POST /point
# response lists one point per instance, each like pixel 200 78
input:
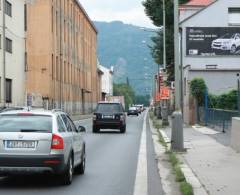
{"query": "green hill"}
pixel 126 48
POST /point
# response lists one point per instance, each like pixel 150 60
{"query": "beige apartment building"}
pixel 61 70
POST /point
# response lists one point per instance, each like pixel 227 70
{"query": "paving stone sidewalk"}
pixel 216 165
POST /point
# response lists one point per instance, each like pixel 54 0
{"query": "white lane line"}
pixel 141 181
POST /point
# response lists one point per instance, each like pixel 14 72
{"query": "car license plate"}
pixel 20 144
pixel 108 117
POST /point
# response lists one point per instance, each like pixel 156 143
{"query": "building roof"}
pixel 198 3
pixel 200 10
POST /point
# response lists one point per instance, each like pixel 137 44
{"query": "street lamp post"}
pixel 164 36
pixel 177 119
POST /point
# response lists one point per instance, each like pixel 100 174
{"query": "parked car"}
pixel 109 115
pixel 133 111
pixel 228 42
pixel 38 141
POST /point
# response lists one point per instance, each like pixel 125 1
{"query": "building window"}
pixel 26 65
pixel 8 8
pixel 9 45
pixel 234 15
pixel 25 17
pixel 8 90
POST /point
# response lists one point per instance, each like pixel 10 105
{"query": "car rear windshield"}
pixel 109 108
pixel 25 123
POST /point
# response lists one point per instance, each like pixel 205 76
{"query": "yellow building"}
pixel 61 56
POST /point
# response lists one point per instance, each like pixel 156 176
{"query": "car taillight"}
pixel 57 142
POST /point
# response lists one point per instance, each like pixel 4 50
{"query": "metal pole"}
pixel 164 36
pixel 4 54
pixel 176 56
pixel 206 107
pixel 177 143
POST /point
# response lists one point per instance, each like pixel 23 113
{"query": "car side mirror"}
pixel 81 129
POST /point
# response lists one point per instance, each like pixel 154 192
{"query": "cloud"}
pixel 128 11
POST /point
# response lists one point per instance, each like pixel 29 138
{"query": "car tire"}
pixel 123 129
pixel 80 169
pixel 67 176
pixel 233 49
pixel 95 130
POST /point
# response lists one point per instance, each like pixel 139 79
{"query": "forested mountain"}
pixel 126 48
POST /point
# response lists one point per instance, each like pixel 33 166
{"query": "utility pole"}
pixel 164 36
pixel 177 120
pixel 4 54
pixel 176 56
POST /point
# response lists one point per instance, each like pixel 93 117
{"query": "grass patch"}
pixel 185 187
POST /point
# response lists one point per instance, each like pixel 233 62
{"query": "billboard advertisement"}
pixel 212 41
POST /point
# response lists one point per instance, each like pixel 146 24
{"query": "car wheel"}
pixel 233 49
pixel 95 130
pixel 67 176
pixel 80 169
pixel 123 129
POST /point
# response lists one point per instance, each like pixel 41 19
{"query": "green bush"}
pixel 227 101
pixel 198 89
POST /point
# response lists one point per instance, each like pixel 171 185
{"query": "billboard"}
pixel 212 41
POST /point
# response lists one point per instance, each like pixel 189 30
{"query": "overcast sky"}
pixel 128 11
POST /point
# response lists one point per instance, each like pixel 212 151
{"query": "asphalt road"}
pixel 111 167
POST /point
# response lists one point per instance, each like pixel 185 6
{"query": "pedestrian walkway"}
pixel 215 165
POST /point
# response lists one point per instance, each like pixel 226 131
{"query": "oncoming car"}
pixel 41 141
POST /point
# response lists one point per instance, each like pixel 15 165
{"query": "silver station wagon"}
pixel 33 141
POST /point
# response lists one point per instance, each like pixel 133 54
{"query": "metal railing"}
pixel 217 118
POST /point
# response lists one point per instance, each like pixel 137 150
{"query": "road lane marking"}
pixel 141 181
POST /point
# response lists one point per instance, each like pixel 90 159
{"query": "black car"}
pixel 109 116
pixel 133 111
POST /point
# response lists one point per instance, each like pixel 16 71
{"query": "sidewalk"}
pixel 78 117
pixel 216 166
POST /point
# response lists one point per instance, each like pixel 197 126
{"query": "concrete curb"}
pixel 191 178
pixel 163 171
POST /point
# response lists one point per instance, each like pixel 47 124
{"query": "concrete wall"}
pixel 15 61
pixel 235 134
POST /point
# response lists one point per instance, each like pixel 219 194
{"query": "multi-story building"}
pixel 12 55
pixel 210 43
pixel 61 56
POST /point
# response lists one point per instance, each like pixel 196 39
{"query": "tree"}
pixel 154 10
pixel 125 90
pixel 198 89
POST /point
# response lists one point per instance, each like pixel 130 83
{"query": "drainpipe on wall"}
pixel 3 87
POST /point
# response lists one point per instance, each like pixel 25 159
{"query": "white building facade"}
pixel 14 52
pixel 210 48
pixel 107 82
